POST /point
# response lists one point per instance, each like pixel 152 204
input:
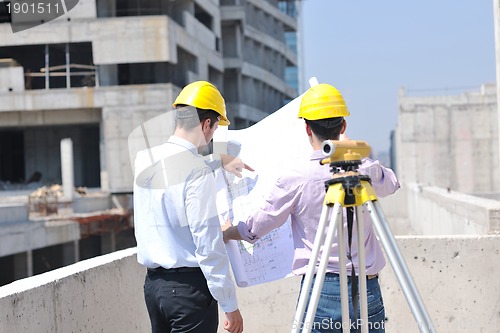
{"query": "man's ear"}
pixel 344 126
pixel 205 125
pixel 308 129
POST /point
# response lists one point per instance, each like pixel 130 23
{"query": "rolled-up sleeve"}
pixel 383 180
pixel 273 213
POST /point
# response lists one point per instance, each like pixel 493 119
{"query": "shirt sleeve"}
pixel 206 231
pixel 213 162
pixel 274 212
pixel 383 180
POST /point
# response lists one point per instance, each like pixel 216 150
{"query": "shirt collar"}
pixel 317 155
pixel 183 143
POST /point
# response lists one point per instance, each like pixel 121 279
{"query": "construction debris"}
pixel 45 200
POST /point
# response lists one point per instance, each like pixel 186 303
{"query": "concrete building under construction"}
pixel 96 73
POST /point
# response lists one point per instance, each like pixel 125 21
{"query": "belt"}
pixel 162 270
pixel 369 277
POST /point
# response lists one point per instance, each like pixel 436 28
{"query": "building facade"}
pixel 103 68
pixel 98 72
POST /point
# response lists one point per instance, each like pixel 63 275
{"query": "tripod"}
pixel 351 189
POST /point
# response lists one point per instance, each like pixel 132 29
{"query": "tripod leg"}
pixel 363 300
pixel 400 269
pixel 335 224
pixel 344 292
pixel 311 267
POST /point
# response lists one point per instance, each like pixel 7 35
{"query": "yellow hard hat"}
pixel 322 101
pixel 203 95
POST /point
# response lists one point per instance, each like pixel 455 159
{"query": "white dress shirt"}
pixel 175 216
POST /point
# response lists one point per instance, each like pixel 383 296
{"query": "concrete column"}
pixel 238 41
pixel 68 253
pixel 21 265
pixel 68 181
pixel 29 263
pixel 108 75
pixel 113 241
pixel 76 246
pixel 103 154
pixel 108 242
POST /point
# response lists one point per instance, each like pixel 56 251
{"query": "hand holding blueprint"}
pixel 270 146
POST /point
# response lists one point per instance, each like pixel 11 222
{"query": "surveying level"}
pixel 337 151
pixel 348 188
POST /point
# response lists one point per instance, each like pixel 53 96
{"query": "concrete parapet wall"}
pixel 436 211
pixel 26 236
pixel 269 307
pixel 11 79
pixel 83 98
pixel 455 277
pixel 395 209
pixel 88 204
pixel 103 294
pixel 13 212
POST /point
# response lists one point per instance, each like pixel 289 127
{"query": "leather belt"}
pixel 369 277
pixel 162 270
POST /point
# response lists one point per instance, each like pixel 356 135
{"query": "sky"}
pixel 368 50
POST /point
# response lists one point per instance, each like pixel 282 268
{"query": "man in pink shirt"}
pixel 299 193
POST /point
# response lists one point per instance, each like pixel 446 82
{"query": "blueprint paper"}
pixel 272 145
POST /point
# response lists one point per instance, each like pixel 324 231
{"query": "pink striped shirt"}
pixel 299 194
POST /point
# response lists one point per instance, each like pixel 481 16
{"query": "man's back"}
pixel 161 223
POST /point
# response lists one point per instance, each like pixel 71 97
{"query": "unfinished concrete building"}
pixel 447 150
pixel 95 74
pixel 450 141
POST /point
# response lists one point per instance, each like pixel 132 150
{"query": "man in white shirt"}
pixel 177 229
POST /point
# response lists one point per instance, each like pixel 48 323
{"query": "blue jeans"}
pixel 329 313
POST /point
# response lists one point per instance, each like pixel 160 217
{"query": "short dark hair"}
pixel 208 114
pixel 188 119
pixel 326 129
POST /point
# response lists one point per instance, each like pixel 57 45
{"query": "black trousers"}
pixel 180 301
